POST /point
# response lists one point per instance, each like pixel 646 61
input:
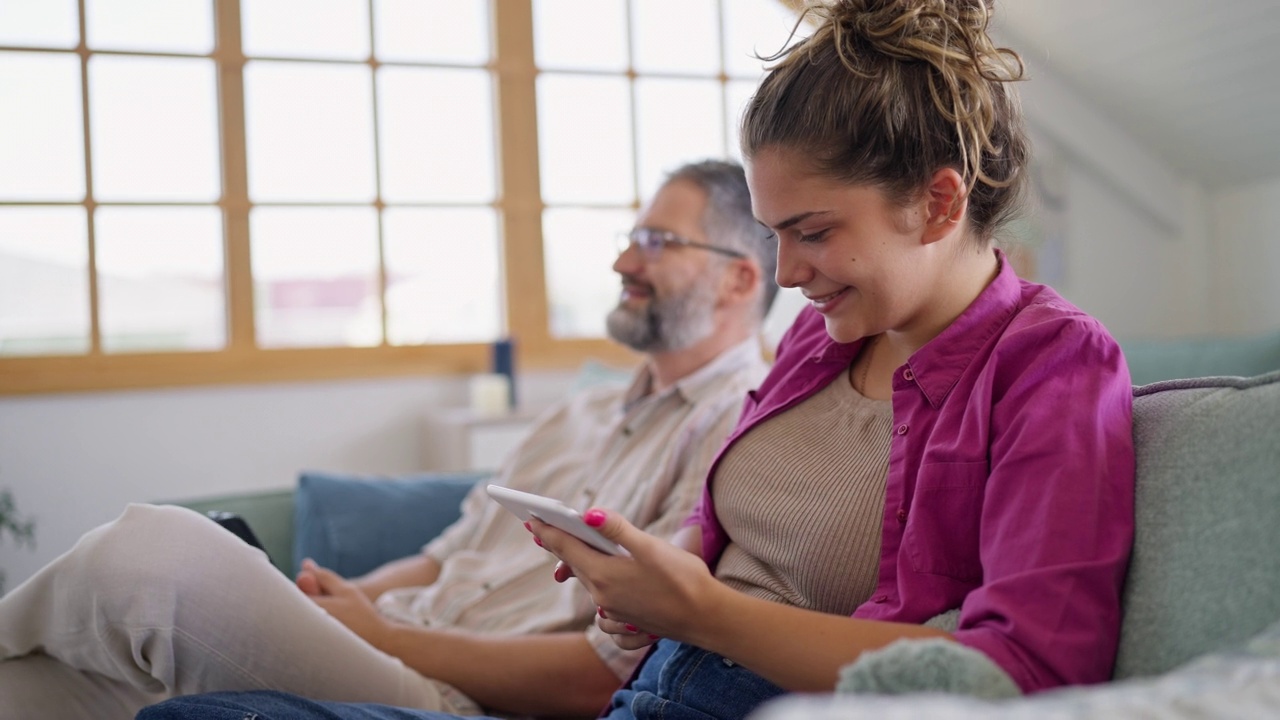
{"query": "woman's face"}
pixel 857 256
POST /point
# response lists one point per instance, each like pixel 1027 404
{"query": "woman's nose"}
pixel 792 270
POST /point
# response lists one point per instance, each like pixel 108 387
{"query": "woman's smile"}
pixel 826 304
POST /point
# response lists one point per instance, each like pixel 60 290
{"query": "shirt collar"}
pixel 938 365
pixel 703 382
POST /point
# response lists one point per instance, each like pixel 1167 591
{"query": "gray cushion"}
pixel 1205 573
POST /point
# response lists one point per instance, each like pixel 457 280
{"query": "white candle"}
pixel 490 394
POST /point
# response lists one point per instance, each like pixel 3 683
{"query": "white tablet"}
pixel 554 513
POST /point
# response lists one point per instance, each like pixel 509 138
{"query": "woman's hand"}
pixel 660 590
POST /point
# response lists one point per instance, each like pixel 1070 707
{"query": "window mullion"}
pixel 520 196
pixel 229 57
pixel 95 325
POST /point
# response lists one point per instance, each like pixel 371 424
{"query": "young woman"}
pixel 941 449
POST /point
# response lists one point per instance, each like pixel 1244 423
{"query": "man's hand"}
pixel 344 601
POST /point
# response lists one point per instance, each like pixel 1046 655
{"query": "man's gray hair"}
pixel 728 220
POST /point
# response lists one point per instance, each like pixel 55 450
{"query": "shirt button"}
pixel 908 375
pixel 902 515
pixel 902 429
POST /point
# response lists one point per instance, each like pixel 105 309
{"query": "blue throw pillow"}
pixel 353 524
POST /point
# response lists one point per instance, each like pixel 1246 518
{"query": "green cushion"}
pixel 1205 573
pixel 269 514
pixel 1155 360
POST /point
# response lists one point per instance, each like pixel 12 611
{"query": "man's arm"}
pixel 413 571
pixel 542 674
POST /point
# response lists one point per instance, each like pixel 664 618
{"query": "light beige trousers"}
pixel 164 602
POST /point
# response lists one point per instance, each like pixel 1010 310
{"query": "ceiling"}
pixel 1197 82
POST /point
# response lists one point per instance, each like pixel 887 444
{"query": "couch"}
pixel 1202 597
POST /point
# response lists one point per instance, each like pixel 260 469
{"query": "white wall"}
pixel 1137 233
pixel 1246 234
pixel 74 461
pixel 1140 276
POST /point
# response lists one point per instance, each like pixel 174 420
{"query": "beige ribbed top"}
pixel 802 499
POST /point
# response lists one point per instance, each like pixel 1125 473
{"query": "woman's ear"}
pixel 946 202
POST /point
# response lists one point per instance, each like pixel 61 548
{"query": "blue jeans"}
pixel 676 682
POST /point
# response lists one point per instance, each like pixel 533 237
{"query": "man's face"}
pixel 668 301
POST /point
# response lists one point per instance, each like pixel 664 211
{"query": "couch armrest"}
pixel 270 514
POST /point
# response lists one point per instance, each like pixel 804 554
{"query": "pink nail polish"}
pixel 654 637
pixel 528 527
pixel 600 612
pixel 537 540
pixel 632 628
pixel 594 518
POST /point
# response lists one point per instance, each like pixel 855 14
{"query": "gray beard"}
pixel 666 324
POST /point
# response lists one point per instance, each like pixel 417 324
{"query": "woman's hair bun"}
pixel 940 32
pixel 888 91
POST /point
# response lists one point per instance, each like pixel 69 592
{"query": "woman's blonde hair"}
pixel 887 92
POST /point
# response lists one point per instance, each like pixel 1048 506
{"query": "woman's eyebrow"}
pixel 799 217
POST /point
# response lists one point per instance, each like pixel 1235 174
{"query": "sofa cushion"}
pixel 1155 360
pixel 1205 573
pixel 352 524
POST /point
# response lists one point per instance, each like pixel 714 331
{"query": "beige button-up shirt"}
pixel 639 453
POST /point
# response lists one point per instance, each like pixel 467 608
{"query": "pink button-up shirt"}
pixel 1010 485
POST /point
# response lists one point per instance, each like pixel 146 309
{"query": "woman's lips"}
pixel 827 303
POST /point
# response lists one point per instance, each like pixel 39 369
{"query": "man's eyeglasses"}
pixel 652 242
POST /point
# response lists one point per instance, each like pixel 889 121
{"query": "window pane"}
pixel 560 43
pixel 443 275
pixel 154 125
pixel 328 29
pixel 315 273
pixel 677 121
pixel 737 94
pixel 436 135
pixel 184 26
pixel 680 36
pixel 41 127
pixel 39 23
pixel 310 132
pixel 450 32
pixel 160 279
pixel 584 139
pixel 755 27
pixel 44 281
pixel 579 250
